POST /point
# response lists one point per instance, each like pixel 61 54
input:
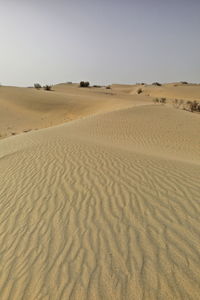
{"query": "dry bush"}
pixel 84 84
pixel 37 86
pixel 193 106
pixel 47 87
pixel 163 100
pixel 156 84
pixel 139 91
pixel 160 101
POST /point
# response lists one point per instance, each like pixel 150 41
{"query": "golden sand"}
pixel 102 207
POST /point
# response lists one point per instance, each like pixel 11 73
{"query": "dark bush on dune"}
pixel 108 87
pixel 193 106
pixel 184 82
pixel 161 100
pixel 156 84
pixel 139 91
pixel 47 87
pixel 37 86
pixel 84 84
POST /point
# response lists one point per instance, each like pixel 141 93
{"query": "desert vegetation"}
pixel 160 100
pixel 156 84
pixel 84 84
pixel 192 106
pixel 37 86
pixel 139 91
pixel 47 87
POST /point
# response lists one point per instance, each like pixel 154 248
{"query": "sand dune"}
pixel 172 91
pixel 25 109
pixel 106 207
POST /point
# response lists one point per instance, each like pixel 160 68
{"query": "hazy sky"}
pixel 103 41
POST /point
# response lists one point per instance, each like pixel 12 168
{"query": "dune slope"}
pixel 106 207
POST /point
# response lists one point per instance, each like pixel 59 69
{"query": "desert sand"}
pixel 105 206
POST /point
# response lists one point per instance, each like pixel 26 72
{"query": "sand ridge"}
pixel 106 207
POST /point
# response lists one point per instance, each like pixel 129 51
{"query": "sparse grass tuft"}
pixel 160 100
pixel 47 87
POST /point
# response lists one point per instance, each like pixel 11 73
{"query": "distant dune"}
pixel 106 206
pixel 25 109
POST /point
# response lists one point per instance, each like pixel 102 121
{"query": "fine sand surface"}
pixel 104 207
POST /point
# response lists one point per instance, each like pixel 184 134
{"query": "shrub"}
pixel 193 106
pixel 184 82
pixel 163 100
pixel 37 86
pixel 157 84
pixel 139 91
pixel 47 87
pixel 97 86
pixel 108 87
pixel 84 84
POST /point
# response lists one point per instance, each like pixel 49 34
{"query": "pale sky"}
pixel 103 41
